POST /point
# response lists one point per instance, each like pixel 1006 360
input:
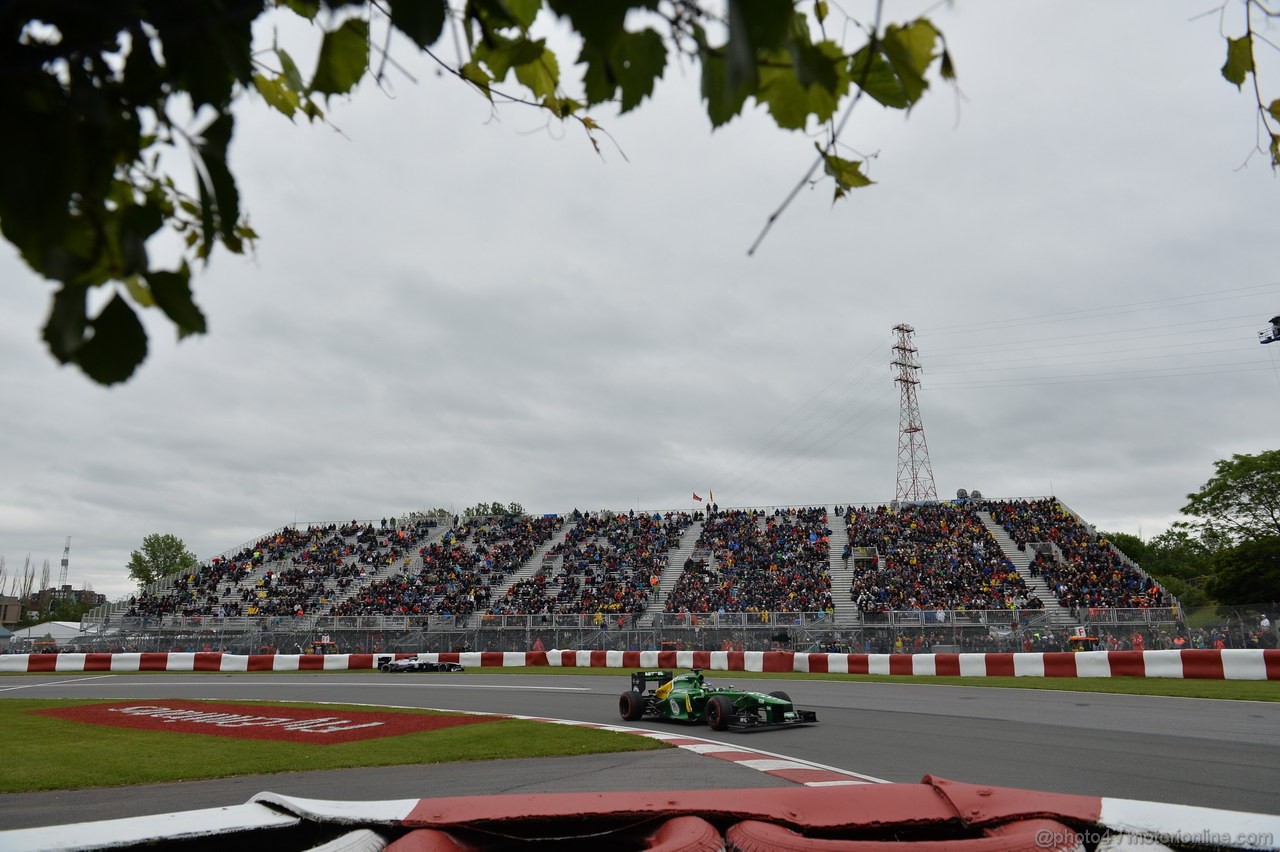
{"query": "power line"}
pixel 1110 310
pixel 1099 377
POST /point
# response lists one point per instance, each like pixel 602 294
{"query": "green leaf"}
pixel 523 12
pixel 541 76
pixel 789 102
pixel 172 292
pixel 723 102
pixel 821 64
pixel 820 10
pixel 68 319
pixel 421 20
pixel 872 73
pixel 219 199
pixel 493 15
pixel 474 73
pixel 948 69
pixel 565 107
pixel 1274 110
pixel 131 246
pixel 290 70
pixel 118 344
pixel 755 26
pixel 344 58
pixel 306 8
pixel 638 62
pixel 910 51
pixel 501 54
pixel 207 60
pixel 143 77
pixel 1239 62
pixel 598 81
pixel 277 94
pixel 846 173
pixel 599 22
pixel 138 290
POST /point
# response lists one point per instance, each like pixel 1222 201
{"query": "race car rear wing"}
pixel 640 680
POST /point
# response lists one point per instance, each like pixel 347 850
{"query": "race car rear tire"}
pixel 719 709
pixel 631 706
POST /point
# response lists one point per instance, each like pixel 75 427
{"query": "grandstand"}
pixel 968 574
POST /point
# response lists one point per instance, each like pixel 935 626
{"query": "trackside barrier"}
pixel 1225 664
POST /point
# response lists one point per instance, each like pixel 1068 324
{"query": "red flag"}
pixel 696 497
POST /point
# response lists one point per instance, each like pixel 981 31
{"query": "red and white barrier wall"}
pixel 1228 664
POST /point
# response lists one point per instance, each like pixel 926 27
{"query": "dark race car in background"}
pixel 690 697
pixel 417 664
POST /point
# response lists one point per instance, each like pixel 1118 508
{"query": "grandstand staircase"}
pixel 671 574
pixel 841 575
pixel 1059 616
pixel 531 567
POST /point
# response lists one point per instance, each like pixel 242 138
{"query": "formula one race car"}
pixel 417 664
pixel 691 698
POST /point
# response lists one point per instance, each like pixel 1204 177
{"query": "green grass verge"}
pixel 47 753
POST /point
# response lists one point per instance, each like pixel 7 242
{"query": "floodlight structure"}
pixel 915 475
pixel 1271 334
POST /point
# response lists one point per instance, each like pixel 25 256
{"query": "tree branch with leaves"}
pixel 160 556
pixel 98 96
pixel 100 92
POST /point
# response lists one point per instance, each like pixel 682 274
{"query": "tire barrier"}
pixel 1211 664
pixel 931 815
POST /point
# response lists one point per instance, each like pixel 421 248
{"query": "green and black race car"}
pixel 691 698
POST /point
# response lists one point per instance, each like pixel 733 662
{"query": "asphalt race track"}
pixel 1222 754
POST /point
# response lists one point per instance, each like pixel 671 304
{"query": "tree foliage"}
pixel 1242 499
pixel 1236 543
pixel 1241 69
pixel 492 510
pixel 104 91
pixel 160 556
pixel 1179 558
pixel 1248 572
pixel 98 96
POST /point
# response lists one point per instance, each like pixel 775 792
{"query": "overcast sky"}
pixel 450 305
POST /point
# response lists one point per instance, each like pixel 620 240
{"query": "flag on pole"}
pixel 711 496
pixel 696 497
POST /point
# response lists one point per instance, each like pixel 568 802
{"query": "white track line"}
pixel 54 682
pixel 165 683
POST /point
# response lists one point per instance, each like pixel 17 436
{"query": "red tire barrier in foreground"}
pixel 1228 664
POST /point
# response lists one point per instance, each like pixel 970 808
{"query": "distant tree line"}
pixel 1229 552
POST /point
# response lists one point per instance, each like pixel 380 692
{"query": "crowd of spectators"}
pixel 1086 571
pixel 935 556
pixel 458 572
pixel 209 589
pixel 607 564
pixel 290 572
pixel 757 562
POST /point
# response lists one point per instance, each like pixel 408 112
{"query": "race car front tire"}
pixel 782 695
pixel 719 709
pixel 631 706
